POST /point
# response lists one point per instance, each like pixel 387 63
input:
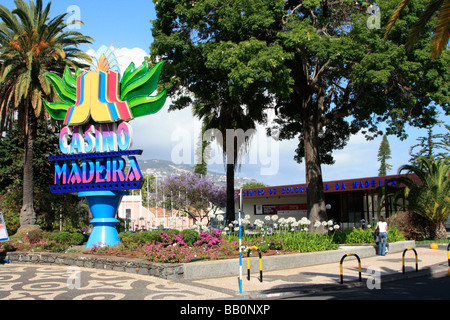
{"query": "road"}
pixel 422 288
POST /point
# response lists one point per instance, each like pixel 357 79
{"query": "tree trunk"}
pixel 314 182
pixel 230 213
pixel 438 231
pixel 27 214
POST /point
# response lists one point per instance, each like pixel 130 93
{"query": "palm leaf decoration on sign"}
pixel 136 86
pixel 66 90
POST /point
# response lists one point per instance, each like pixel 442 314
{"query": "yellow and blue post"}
pixel 240 242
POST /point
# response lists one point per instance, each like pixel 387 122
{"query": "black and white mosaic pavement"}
pixel 43 282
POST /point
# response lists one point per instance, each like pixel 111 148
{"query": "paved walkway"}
pixel 327 276
pixel 44 282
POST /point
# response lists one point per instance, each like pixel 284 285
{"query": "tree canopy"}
pixel 193 194
pixel 321 68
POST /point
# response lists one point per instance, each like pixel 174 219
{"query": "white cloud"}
pixel 161 133
pixel 125 56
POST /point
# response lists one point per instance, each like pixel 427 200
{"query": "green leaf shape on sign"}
pixel 131 73
pixel 142 106
pixel 71 80
pixel 142 82
pixel 57 110
pixel 65 93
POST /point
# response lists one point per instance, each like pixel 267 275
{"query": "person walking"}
pixel 382 230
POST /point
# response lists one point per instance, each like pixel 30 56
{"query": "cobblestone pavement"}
pixel 38 282
pixel 53 282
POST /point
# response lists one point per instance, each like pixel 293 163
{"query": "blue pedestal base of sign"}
pixel 103 205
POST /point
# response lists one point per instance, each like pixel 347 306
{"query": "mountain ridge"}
pixel 166 168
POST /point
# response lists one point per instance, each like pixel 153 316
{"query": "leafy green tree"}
pixel 31 45
pixel 439 8
pixel 219 62
pixel 324 71
pixel 427 192
pixel 427 145
pixel 384 153
pixel 347 79
pixel 444 145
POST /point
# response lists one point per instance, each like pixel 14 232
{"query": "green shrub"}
pixel 363 236
pixel 7 246
pixel 394 235
pixel 147 236
pixel 190 236
pixel 65 238
pixel 306 242
pixel 33 236
pixel 134 240
pixel 49 245
pixel 354 236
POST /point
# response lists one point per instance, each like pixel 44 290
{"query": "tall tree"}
pixel 32 44
pixel 202 154
pixel 193 194
pixel 444 146
pixel 218 62
pixel 347 78
pixel 317 63
pixel 384 153
pixel 48 206
pixel 432 147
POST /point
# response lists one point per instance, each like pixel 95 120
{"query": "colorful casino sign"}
pixel 97 159
pixel 95 108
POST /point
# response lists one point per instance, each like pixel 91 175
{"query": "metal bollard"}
pixel 448 254
pixel 403 259
pixel 260 263
pixel 359 266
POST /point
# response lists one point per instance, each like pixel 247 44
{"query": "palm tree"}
pixel 31 45
pixel 221 117
pixel 442 28
pixel 428 192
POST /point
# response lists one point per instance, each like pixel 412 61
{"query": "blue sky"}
pixel 126 25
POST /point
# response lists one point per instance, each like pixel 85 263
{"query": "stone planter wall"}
pixel 199 269
pixel 137 266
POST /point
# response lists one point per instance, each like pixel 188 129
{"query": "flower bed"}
pixel 272 236
pixel 172 246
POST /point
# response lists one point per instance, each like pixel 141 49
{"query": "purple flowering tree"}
pixel 193 194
